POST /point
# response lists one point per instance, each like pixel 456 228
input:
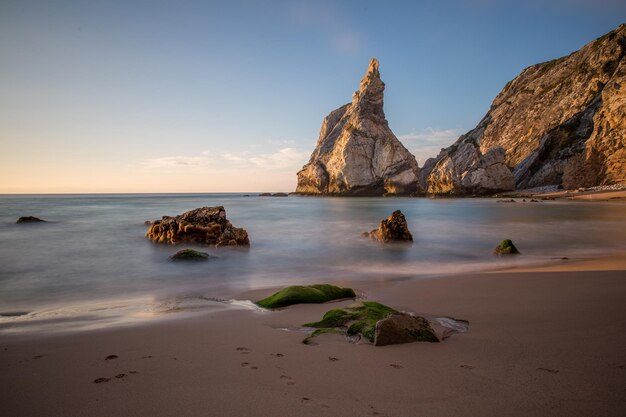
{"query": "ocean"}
pixel 90 266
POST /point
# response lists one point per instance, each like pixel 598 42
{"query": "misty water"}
pixel 91 265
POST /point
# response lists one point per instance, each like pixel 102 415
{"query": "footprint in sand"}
pixel 37 356
pixel 244 364
pixel 243 350
pixel 552 371
pixel 120 376
pixel 254 367
pixel 146 357
pixel 101 380
pixel 278 355
pixel 305 400
pixel 467 366
pixel 288 379
pixel 110 357
pixel 332 359
pixel 133 372
pixel 396 366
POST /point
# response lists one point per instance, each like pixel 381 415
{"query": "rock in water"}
pixel 506 247
pixel 393 229
pixel 298 294
pixel 29 219
pixel 357 153
pixel 189 255
pixel 206 225
pixel 561 122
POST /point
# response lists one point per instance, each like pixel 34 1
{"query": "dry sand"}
pixel 541 343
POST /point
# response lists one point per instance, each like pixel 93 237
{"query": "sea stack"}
pixel 561 122
pixel 357 153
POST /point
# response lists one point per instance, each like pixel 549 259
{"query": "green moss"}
pixel 506 247
pixel 189 255
pixel 309 340
pixel 359 319
pixel 297 294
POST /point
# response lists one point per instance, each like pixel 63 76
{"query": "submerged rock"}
pixel 506 247
pixel 189 255
pixel 393 229
pixel 357 153
pixel 205 225
pixel 297 294
pixel 280 195
pixel 30 219
pixel 374 322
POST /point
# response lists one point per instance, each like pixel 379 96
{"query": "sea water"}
pixel 90 265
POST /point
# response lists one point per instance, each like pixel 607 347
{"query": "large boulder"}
pixel 403 328
pixel 357 153
pixel 205 225
pixel 392 229
pixel 375 323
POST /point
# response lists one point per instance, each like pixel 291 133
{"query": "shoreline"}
pixel 149 310
pixel 110 314
pixel 543 342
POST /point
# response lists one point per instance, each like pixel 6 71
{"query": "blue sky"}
pixel 153 96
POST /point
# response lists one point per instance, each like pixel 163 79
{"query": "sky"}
pixel 229 96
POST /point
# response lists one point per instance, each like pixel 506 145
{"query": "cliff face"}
pixel 357 153
pixel 562 122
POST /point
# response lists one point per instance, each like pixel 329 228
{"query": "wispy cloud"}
pixel 281 159
pixel 288 159
pixel 169 162
pixel 428 142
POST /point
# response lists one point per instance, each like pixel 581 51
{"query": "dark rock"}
pixel 506 247
pixel 403 328
pixel 280 195
pixel 30 219
pixel 297 294
pixel 206 225
pixel 374 322
pixel 265 195
pixel 147 223
pixel 393 229
pixel 189 255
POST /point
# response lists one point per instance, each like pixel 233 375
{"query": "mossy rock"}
pixel 358 319
pixel 189 255
pixel 300 294
pixel 506 247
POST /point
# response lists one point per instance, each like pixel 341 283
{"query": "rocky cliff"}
pixel 357 153
pixel 561 122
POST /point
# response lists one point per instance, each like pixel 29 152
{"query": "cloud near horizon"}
pixel 281 160
pixel 428 142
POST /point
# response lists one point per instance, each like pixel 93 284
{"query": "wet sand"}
pixel 547 342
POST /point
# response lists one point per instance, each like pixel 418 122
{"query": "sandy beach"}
pixel 546 342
